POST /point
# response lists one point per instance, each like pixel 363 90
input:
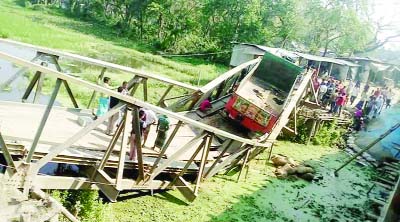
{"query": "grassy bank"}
pixel 50 28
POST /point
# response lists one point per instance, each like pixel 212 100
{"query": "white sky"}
pixel 388 11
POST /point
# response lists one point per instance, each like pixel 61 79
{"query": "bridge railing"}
pixel 147 174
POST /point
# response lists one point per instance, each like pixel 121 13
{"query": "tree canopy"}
pixel 180 26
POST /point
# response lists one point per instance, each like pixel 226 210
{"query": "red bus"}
pixel 259 98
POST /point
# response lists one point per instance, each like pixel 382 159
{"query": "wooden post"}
pixel 145 97
pixel 101 76
pixel 295 120
pixel 270 152
pixel 208 147
pixel 314 122
pixel 164 95
pixel 135 85
pixel 110 147
pixel 225 162
pixel 138 141
pixel 225 147
pixel 44 120
pixel 176 155
pixel 189 161
pixel 203 162
pixel 244 164
pixel 127 119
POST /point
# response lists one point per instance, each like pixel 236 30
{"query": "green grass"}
pixel 263 197
pixel 50 28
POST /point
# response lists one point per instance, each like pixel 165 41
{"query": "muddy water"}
pixel 378 126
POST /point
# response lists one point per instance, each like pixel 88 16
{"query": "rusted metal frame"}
pixel 208 147
pixel 6 153
pixel 57 149
pixel 99 79
pixel 17 74
pixel 203 162
pixel 246 157
pixel 165 147
pixel 44 120
pixel 234 163
pixel 164 95
pixel 125 137
pixel 226 162
pixel 189 162
pixel 69 91
pixel 138 141
pixel 127 99
pixel 176 155
pixel 145 96
pixel 39 87
pixel 225 146
pixel 110 147
pixel 31 86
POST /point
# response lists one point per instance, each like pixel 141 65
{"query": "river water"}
pixel 378 126
pixel 16 89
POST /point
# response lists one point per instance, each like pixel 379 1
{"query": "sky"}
pixel 388 11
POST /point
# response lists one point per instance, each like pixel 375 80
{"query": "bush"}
pixel 84 204
pixel 328 135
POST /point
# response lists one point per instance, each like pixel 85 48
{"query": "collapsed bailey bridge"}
pixel 34 136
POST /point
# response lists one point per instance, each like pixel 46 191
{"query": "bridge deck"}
pixel 19 122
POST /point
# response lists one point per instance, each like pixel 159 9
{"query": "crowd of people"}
pixel 334 95
pixel 147 118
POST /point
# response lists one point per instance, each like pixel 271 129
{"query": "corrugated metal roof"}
pixel 326 59
pixel 284 52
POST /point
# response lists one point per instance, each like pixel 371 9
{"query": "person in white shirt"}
pixel 389 96
pixel 150 119
pixel 322 90
pixel 354 94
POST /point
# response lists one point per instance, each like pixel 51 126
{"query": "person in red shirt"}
pixel 340 101
pixel 377 93
pixel 205 105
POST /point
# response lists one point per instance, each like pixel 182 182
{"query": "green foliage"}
pixel 328 135
pixel 209 26
pixel 83 203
